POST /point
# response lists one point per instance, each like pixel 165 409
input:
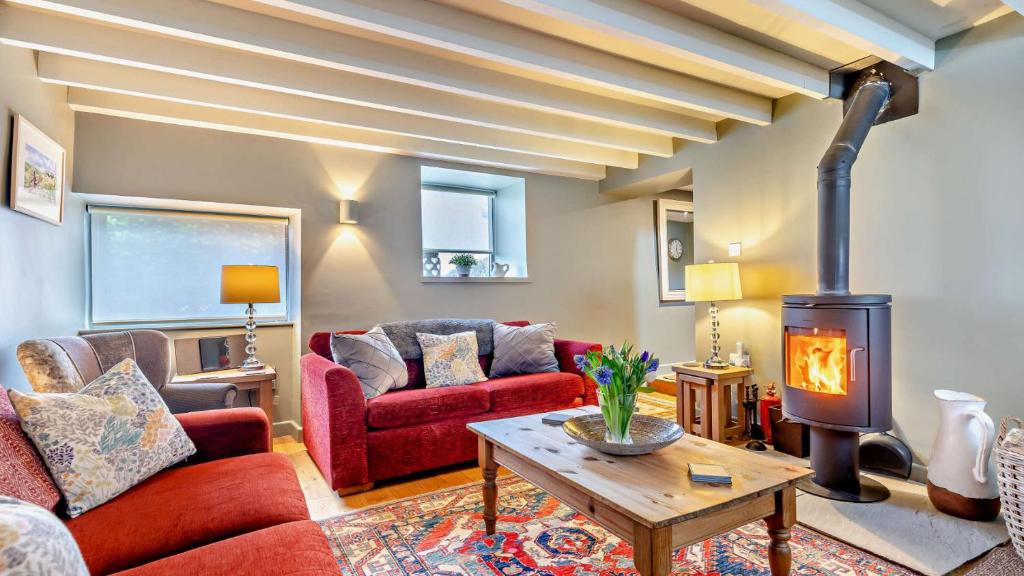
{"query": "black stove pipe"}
pixel 834 184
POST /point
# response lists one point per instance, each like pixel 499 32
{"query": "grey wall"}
pixel 41 265
pixel 937 223
pixel 592 260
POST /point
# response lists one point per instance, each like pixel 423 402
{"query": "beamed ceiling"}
pixel 564 87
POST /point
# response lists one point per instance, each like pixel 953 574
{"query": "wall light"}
pixel 735 248
pixel 348 212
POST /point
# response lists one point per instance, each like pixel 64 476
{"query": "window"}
pixel 458 221
pixel 156 266
pixel 474 213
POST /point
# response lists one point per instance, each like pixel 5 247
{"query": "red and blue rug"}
pixel 441 534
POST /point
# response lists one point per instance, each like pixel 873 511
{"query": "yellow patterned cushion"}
pixel 104 439
pixel 35 542
pixel 450 360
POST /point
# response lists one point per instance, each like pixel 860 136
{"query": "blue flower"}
pixel 603 375
pixel 581 362
pixel 653 366
pixel 645 356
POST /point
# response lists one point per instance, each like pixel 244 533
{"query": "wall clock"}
pixel 675 249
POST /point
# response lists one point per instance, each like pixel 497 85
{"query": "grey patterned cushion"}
pixel 34 542
pixel 373 358
pixel 523 350
pixel 104 439
pixel 403 334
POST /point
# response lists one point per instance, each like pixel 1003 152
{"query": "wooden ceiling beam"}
pixel 861 26
pixel 148 109
pixel 73 37
pixel 68 71
pixel 226 26
pixel 656 29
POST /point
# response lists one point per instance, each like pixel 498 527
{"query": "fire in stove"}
pixel 817 360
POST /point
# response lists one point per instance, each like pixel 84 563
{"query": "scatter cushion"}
pixel 450 360
pixel 524 350
pixel 373 358
pixel 22 473
pixel 104 439
pixel 34 542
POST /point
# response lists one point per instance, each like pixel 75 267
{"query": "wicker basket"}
pixel 1011 483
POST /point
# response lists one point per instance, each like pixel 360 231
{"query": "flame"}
pixel 817 360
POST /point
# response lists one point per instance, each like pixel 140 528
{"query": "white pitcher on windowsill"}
pixel 499 270
pixel 961 478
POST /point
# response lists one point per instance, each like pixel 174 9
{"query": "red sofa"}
pixel 234 508
pixel 355 441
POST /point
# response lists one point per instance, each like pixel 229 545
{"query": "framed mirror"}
pixel 675 247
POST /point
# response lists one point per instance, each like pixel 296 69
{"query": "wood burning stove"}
pixel 836 345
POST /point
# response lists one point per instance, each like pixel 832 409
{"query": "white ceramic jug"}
pixel 499 270
pixel 961 478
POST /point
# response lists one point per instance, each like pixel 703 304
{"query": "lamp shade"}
pixel 249 284
pixel 713 282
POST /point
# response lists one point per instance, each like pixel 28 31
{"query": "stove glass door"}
pixel 816 360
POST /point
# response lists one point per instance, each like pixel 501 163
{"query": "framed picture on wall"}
pixel 37 173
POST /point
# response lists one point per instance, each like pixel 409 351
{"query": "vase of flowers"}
pixel 620 374
pixel 463 264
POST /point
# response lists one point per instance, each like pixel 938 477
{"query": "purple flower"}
pixel 653 366
pixel 581 362
pixel 603 375
pixel 644 357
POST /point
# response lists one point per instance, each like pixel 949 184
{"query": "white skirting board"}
pixel 287 428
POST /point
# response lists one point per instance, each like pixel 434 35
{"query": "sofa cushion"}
pixel 373 358
pixel 408 407
pixel 523 350
pixel 34 541
pixel 450 360
pixel 526 390
pixel 104 439
pixel 190 506
pixel 404 334
pixel 22 472
pixel 292 549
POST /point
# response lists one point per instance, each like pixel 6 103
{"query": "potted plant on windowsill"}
pixel 463 264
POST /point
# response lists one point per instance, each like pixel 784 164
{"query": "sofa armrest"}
pixel 565 352
pixel 182 398
pixel 226 433
pixel 334 421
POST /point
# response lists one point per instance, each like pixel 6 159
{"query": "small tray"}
pixel 649 433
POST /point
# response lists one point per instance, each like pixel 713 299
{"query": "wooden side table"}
pixel 262 381
pixel 717 391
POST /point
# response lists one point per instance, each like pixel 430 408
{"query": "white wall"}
pixel 937 223
pixel 592 259
pixel 41 265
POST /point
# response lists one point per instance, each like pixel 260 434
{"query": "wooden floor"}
pixel 325 503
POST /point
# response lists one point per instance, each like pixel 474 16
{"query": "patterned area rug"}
pixel 441 534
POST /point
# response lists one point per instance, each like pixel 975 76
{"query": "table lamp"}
pixel 249 285
pixel 713 282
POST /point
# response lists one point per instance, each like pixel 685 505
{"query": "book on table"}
pixel 709 473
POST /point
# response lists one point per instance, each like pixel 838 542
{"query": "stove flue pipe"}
pixel 868 99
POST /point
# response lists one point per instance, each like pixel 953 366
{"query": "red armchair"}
pixel 234 508
pixel 355 442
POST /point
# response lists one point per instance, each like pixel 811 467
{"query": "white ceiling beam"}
pixel 679 37
pixel 68 71
pixel 472 35
pixel 202 21
pixel 861 26
pixel 148 109
pixel 69 36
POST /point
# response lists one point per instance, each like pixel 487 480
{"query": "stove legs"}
pixel 835 458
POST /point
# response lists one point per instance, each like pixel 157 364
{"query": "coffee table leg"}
pixel 490 472
pixel 779 554
pixel 652 550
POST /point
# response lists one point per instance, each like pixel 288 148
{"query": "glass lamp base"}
pixel 715 364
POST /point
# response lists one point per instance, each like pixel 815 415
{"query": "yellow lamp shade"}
pixel 249 284
pixel 713 282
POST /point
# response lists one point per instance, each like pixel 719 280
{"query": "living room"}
pixel 557 171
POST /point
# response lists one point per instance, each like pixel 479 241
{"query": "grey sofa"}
pixel 67 364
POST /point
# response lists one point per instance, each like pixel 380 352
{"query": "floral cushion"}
pixel 22 473
pixel 104 439
pixel 34 542
pixel 450 360
pixel 373 358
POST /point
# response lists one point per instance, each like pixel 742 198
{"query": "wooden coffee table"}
pixel 648 501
